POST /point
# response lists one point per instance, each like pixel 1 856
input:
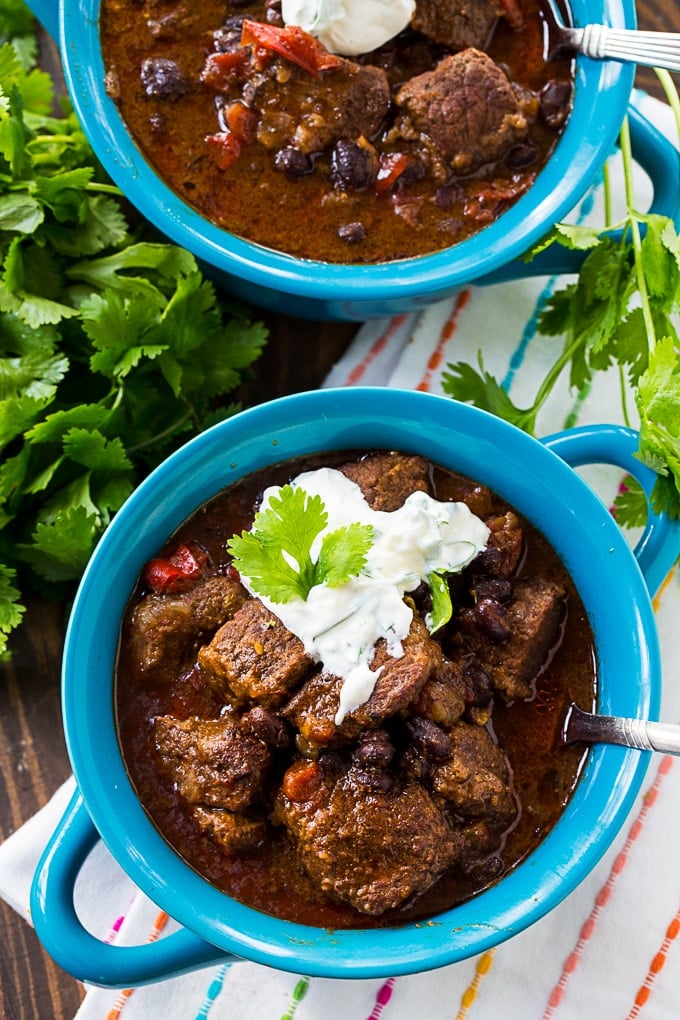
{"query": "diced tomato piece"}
pixel 293 43
pixel 241 121
pixel 392 166
pixel 221 69
pixel 302 780
pixel 175 573
pixel 226 148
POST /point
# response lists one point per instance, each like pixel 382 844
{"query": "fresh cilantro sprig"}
pixel 618 312
pixel 275 555
pixel 113 346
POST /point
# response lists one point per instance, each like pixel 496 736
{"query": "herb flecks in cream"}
pixel 369 558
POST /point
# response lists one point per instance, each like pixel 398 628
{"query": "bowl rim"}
pixel 535 886
pixel 601 95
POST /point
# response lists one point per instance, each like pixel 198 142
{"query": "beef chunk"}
pixel 231 831
pixel 387 479
pixel 212 761
pixel 254 656
pixel 464 113
pixel 504 548
pixel 313 709
pixel 164 627
pixel 442 697
pixel 457 23
pixel 364 845
pixel 475 778
pixel 535 615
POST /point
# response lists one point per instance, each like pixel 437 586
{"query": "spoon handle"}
pixel 609 729
pixel 651 49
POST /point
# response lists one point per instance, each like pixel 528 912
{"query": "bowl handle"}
pixel 74 948
pixel 47 13
pixel 659 546
pixel 661 162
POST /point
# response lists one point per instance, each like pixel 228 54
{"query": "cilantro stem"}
pixel 636 239
pixel 160 436
pixel 671 92
pixel 553 375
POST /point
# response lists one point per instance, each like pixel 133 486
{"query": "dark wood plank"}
pixel 33 759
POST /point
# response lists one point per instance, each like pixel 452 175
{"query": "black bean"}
pixel 521 156
pixel 353 233
pixel 272 12
pixel 227 38
pixel 266 726
pixel 353 166
pixel 478 690
pixel 429 738
pixel 292 162
pixel 163 79
pixel 374 748
pixel 555 100
pixel 492 619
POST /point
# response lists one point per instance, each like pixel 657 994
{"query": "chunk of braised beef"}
pixel 442 697
pixel 164 628
pixel 231 831
pixel 535 616
pixel 213 762
pixel 504 547
pixel 354 165
pixel 475 778
pixel 463 114
pixel 457 23
pixel 163 78
pixel 368 845
pixel 387 479
pixel 253 656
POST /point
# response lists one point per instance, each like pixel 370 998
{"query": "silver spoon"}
pixel 650 49
pixel 592 728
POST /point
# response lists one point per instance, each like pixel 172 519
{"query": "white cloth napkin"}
pixel 612 948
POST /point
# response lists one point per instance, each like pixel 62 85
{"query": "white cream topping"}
pixel 349 27
pixel 339 626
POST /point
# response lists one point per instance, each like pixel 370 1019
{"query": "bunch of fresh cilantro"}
pixel 619 311
pixel 113 347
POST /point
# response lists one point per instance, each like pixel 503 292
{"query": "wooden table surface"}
pixel 33 760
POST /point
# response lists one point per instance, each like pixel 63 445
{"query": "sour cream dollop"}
pixel 349 27
pixel 340 626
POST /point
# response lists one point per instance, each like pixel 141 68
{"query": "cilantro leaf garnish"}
pixel 442 607
pixel 114 348
pixel 275 555
pixel 621 311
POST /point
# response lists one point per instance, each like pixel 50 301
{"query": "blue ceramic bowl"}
pixel 536 477
pixel 322 291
